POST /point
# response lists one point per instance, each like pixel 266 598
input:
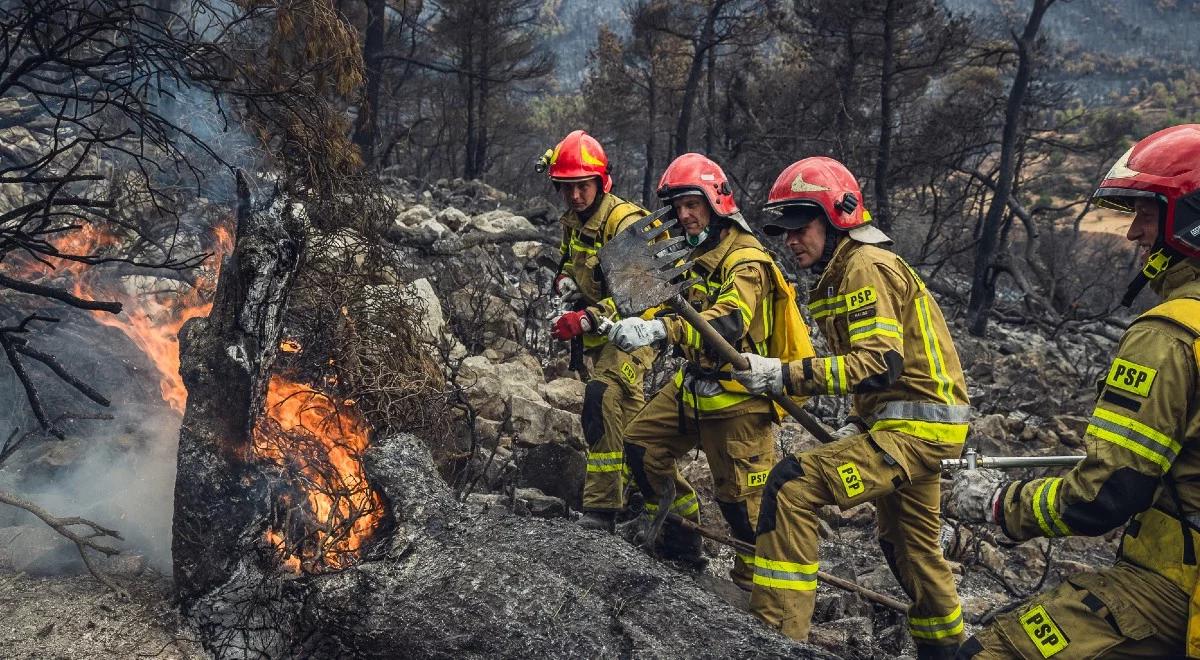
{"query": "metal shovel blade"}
pixel 640 270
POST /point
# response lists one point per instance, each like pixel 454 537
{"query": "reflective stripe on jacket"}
pixel 581 240
pixel 891 347
pixel 734 295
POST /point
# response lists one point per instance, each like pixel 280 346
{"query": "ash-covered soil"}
pixel 74 616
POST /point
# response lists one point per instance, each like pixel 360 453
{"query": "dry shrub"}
pixel 360 328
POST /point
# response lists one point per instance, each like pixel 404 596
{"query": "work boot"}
pixel 601 521
pixel 683 545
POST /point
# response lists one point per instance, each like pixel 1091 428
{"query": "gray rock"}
pixel 414 216
pixel 453 218
pixel 500 222
pixel 433 319
pixel 989 436
pixel 527 252
pixel 539 504
pixel 564 394
pixel 554 469
pixel 535 422
pixel 491 387
pixel 853 636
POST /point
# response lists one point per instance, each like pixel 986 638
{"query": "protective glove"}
pixel 765 375
pixel 566 288
pixel 569 325
pixel 974 495
pixel 633 333
pixel 848 430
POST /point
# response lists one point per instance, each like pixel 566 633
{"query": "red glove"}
pixel 570 325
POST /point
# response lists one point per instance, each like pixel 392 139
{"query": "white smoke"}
pixel 123 478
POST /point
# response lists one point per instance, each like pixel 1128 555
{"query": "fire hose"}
pixel 747 548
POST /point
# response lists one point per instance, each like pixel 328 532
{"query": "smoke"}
pixel 122 478
pixel 120 473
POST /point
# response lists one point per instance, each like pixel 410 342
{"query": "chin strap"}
pixel 1156 264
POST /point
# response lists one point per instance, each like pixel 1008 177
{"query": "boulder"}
pixel 453 218
pixel 414 216
pixel 535 422
pixel 554 469
pixel 432 319
pixel 345 245
pixel 564 394
pixel 524 502
pixel 490 387
pixel 500 222
pixel 1070 429
pixel 852 637
pixel 989 436
pixel 540 505
pixel 527 252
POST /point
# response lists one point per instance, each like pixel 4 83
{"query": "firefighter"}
pixel 738 290
pixel 893 352
pixel 1140 461
pixel 579 170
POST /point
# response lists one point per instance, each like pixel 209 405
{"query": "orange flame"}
pixel 82 241
pixel 153 319
pixel 305 432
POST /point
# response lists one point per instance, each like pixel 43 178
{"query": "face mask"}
pixel 698 238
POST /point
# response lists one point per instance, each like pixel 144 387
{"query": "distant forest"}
pixel 977 128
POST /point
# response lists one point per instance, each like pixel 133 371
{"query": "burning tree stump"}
pixel 224 361
pixel 429 579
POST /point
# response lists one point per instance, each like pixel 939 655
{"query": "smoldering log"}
pixel 437 581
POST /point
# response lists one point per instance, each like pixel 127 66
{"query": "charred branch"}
pixel 59 295
pixel 90 539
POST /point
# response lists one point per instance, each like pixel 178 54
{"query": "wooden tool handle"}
pixel 731 355
pixel 748 549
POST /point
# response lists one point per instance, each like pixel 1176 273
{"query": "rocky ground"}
pixel 482 263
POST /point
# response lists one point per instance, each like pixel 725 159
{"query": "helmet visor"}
pixel 667 193
pixel 793 216
pixel 1119 199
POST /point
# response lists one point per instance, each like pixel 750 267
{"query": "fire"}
pixel 290 346
pixel 78 242
pixel 153 319
pixel 318 445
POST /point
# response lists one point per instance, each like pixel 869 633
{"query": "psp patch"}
pixel 1131 377
pixel 757 478
pixel 861 298
pixel 1043 632
pixel 851 480
pixel 629 373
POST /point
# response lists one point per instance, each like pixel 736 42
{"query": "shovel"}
pixel 642 272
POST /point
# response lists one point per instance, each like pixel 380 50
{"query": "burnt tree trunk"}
pixel 366 128
pixel 224 361
pixel 883 161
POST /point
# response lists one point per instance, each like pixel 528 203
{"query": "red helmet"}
pixel 695 174
pixel 579 156
pixel 1164 166
pixel 824 184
